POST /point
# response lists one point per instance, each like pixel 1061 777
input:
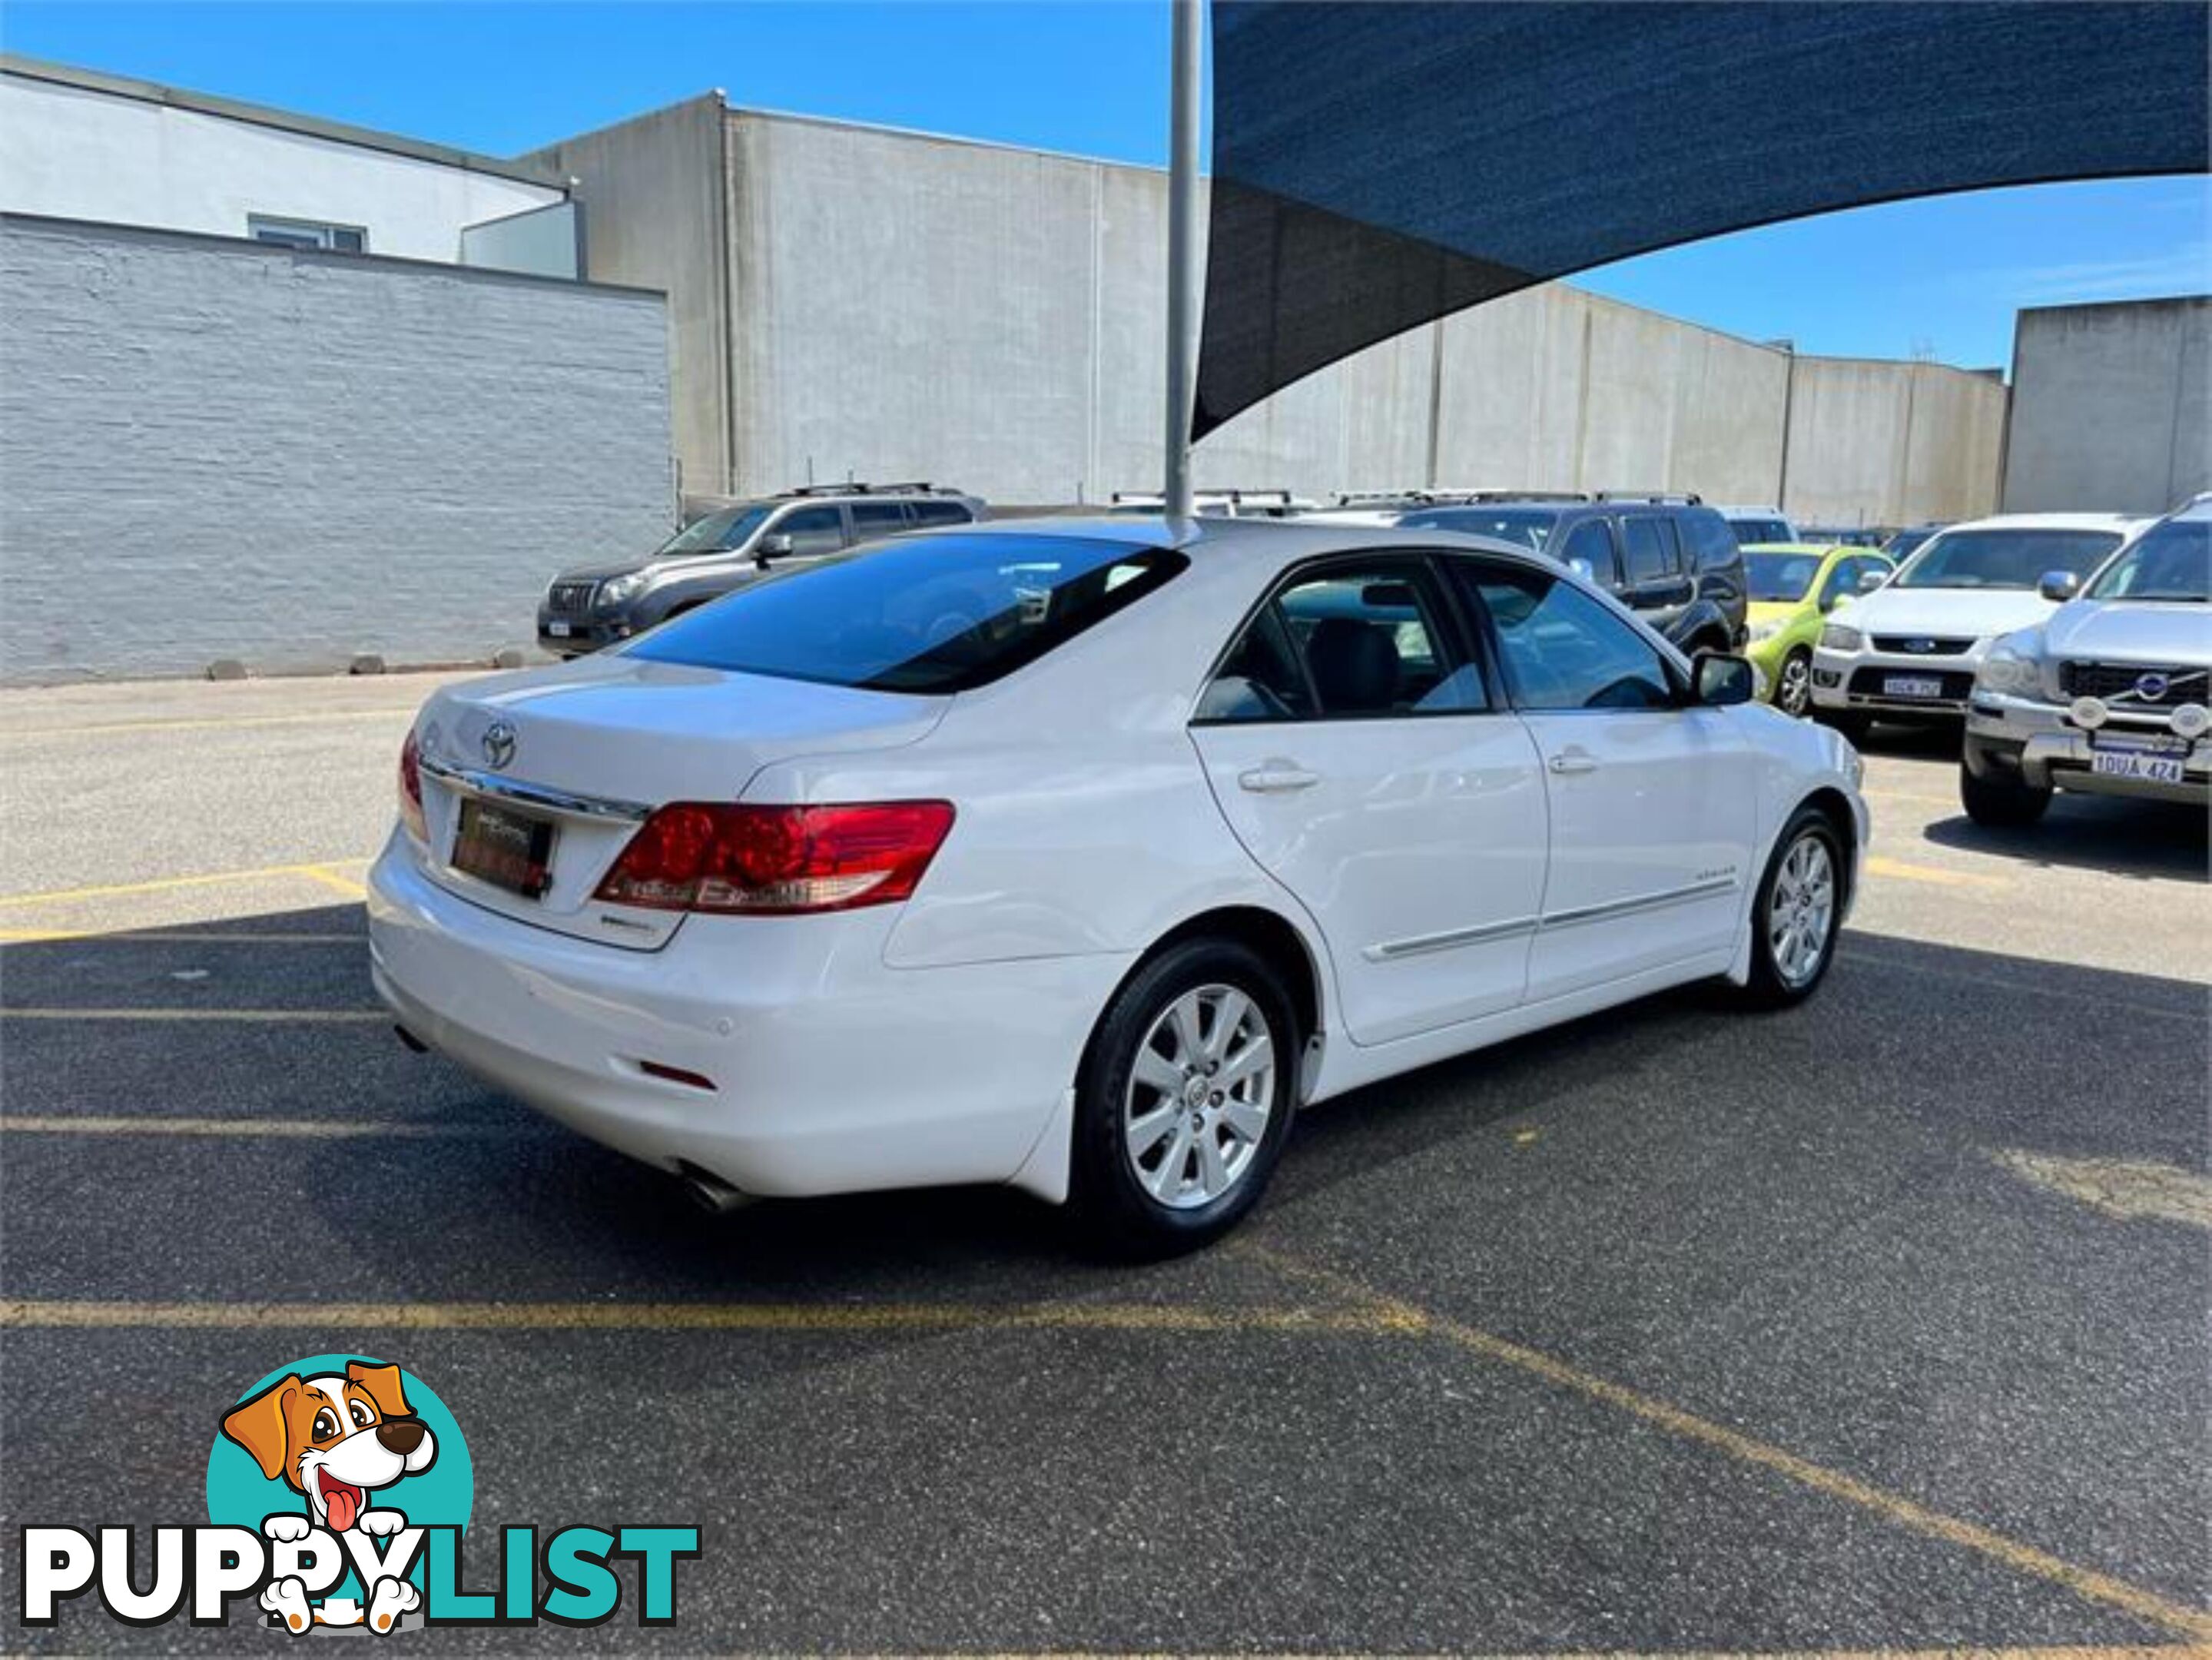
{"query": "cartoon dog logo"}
pixel 336 1438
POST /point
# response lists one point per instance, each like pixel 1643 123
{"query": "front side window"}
pixel 936 616
pixel 1591 542
pixel 1650 542
pixel 1711 542
pixel 2004 557
pixel 1563 650
pixel 812 530
pixel 2172 562
pixel 715 533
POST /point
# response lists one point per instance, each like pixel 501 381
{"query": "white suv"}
pixel 1908 650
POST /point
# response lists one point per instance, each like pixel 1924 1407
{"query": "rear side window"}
pixel 940 513
pixel 1711 542
pixel 935 615
pixel 871 519
pixel 1652 552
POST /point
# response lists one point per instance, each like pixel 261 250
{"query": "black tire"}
pixel 1774 985
pixel 1999 802
pixel 1793 683
pixel 1115 1211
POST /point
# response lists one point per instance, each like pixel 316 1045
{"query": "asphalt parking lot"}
pixel 1878 1324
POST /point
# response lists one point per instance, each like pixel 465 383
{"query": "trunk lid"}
pixel 579 754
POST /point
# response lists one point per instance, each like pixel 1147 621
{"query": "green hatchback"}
pixel 1793 588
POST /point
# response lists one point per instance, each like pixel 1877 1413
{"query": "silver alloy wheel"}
pixel 1199 1097
pixel 1793 692
pixel 1800 915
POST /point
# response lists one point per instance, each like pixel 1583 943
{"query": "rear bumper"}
pixel 831 1072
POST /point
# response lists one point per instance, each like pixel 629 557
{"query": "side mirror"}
pixel 1871 580
pixel 1583 569
pixel 2058 585
pixel 1723 680
pixel 772 547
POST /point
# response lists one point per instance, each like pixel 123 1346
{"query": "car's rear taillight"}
pixel 760 860
pixel 411 789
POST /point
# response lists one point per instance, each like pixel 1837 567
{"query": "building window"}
pixel 306 234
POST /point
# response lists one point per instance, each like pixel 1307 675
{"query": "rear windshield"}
pixel 929 614
pixel 2003 558
pixel 1526 528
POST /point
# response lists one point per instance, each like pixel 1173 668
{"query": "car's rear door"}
pixel 1651 799
pixel 1364 756
pixel 1657 584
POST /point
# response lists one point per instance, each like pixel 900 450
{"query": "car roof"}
pixel 1272 542
pixel 2112 521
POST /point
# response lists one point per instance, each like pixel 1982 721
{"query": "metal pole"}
pixel 1182 251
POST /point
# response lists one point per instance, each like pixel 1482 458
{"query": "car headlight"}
pixel 1762 631
pixel 2013 664
pixel 1836 638
pixel 616 589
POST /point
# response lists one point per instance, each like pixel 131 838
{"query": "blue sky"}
pixel 1942 276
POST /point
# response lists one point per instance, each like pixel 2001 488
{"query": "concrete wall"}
pixel 901 306
pixel 70 152
pixel 215 448
pixel 1887 443
pixel 652 190
pixel 2111 406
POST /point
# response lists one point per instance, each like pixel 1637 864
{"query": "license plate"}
pixel 509 850
pixel 558 631
pixel 2135 763
pixel 1912 685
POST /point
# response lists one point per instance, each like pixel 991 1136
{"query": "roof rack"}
pixel 1663 498
pixel 918 487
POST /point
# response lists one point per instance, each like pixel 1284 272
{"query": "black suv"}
pixel 596 605
pixel 1670 558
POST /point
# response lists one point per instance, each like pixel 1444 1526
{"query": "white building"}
pixel 76 144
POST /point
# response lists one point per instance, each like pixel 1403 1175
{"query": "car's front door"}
pixel 1651 802
pixel 1365 757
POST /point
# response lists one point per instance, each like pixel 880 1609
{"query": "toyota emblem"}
pixel 498 743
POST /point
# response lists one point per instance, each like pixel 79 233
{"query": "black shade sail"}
pixel 1377 166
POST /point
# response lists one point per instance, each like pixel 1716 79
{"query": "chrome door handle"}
pixel 1569 761
pixel 1277 778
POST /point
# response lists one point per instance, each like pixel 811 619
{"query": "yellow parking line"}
pixel 686 1316
pixel 1877 866
pixel 163 884
pixel 180 937
pixel 336 1129
pixel 2086 1583
pixel 221 725
pixel 266 1016
pixel 331 879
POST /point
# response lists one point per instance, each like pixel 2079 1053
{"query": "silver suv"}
pixel 2112 694
pixel 595 605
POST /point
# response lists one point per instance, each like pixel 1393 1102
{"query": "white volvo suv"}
pixel 1080 855
pixel 1908 650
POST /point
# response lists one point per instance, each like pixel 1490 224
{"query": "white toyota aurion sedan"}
pixel 1080 854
